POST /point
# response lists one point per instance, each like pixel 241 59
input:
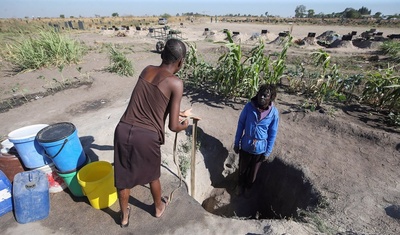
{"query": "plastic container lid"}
pixel 55 132
pixel 25 132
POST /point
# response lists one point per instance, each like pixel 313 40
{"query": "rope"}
pixel 176 164
pixel 177 167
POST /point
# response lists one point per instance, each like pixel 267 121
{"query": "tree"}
pixel 115 14
pixel 62 16
pixel 364 11
pixel 378 15
pixel 351 13
pixel 300 11
pixel 165 15
pixel 311 13
pixel 321 15
pixel 266 14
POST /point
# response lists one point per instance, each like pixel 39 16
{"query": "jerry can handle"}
pixel 30 184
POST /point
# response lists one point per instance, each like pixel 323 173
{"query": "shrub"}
pixel 48 48
pixel 382 90
pixel 391 48
pixel 119 63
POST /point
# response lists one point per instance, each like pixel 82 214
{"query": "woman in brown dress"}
pixel 140 132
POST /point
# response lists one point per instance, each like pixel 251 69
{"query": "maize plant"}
pixel 236 74
pixel 256 63
pixel 195 69
pixel 322 58
pixel 230 70
pixel 278 66
pixel 382 90
pixel 330 84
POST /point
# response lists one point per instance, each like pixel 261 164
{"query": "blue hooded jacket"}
pixel 257 136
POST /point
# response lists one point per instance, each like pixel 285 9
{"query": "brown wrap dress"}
pixel 138 136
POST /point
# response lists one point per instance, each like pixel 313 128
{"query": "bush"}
pixel 382 90
pixel 48 48
pixel 391 48
pixel 119 63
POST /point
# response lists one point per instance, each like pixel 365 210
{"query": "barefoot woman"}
pixel 140 132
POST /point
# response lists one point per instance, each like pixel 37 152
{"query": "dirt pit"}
pixel 281 191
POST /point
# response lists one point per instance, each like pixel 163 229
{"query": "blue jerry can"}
pixel 5 194
pixel 31 196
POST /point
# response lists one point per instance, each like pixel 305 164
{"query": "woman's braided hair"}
pixel 174 50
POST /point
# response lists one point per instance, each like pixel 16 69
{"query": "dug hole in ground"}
pixel 279 192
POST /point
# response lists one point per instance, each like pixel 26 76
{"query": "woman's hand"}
pixel 186 113
pixel 182 119
pixel 184 122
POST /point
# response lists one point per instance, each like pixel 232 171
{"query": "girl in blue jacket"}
pixel 256 134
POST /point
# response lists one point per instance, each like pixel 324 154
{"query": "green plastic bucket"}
pixel 71 180
pixel 72 183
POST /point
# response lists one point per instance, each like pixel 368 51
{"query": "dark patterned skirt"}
pixel 137 156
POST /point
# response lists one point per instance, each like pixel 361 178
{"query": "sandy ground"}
pixel 350 158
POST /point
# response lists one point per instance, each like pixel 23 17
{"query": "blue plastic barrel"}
pixel 62 146
pixel 29 150
pixel 31 196
pixel 5 194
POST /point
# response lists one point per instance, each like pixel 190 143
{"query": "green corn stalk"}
pixel 382 90
pixel 321 58
pixel 230 70
pixel 236 74
pixel 195 70
pixel 279 65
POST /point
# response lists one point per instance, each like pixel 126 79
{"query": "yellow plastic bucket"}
pixel 97 182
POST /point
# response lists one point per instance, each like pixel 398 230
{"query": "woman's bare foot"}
pixel 125 218
pixel 160 211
